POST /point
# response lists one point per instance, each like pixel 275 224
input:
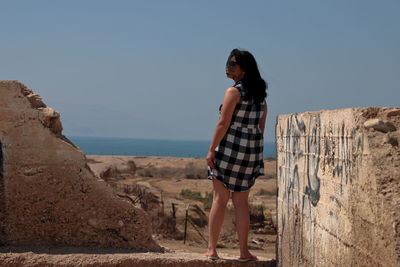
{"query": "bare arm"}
pixel 231 98
pixel 263 118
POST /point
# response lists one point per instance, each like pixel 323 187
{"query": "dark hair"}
pixel 252 81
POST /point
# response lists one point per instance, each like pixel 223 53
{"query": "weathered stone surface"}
pixel 380 125
pixel 393 113
pixel 339 189
pixel 48 195
pixel 393 138
pixel 50 118
pixel 36 101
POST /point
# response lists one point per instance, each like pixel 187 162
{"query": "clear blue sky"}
pixel 156 69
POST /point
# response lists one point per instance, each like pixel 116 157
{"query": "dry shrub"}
pixel 166 172
pixel 145 173
pixel 167 228
pixel 139 195
pixel 269 175
pixel 110 173
pixel 257 214
pixel 165 225
pixel 197 216
pixel 119 173
pixel 194 172
pixel 195 195
pixel 264 192
pixel 190 171
pixel 162 172
pixel 131 166
pixel 92 161
pixel 207 202
pixel 261 220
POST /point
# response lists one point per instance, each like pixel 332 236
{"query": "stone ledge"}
pixel 72 256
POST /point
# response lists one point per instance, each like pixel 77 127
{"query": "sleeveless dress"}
pixel 239 155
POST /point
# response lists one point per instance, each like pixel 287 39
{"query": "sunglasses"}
pixel 231 63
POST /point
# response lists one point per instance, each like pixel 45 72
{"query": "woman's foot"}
pixel 211 255
pixel 247 257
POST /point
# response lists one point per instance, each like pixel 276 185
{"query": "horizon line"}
pixel 144 138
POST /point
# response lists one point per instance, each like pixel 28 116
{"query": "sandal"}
pixel 254 258
pixel 213 258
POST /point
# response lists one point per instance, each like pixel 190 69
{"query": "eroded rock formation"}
pixel 48 195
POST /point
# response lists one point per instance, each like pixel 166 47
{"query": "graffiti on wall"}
pixel 313 147
pixel 309 150
pixel 338 156
pixel 301 151
pixel 298 159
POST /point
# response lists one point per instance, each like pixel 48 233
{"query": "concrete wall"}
pixel 339 188
pixel 48 194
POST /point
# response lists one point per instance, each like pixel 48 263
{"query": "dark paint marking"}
pixel 314 147
pixel 338 170
pixel 336 200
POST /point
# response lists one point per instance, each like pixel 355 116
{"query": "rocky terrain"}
pixel 165 187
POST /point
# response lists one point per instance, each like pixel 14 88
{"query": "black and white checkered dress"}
pixel 239 156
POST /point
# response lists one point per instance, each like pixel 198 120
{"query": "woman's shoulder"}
pixel 239 86
pixel 233 93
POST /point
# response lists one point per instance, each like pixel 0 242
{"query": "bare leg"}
pixel 216 217
pixel 242 218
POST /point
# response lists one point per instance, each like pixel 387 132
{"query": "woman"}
pixel 235 157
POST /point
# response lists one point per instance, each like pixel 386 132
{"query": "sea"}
pixel 150 147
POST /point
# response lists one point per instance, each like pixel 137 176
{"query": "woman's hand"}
pixel 210 159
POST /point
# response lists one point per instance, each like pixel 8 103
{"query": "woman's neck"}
pixel 238 78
